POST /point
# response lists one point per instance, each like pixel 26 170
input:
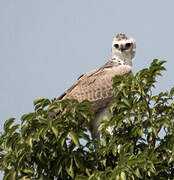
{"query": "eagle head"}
pixel 123 48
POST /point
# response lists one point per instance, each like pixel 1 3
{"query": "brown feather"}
pixel 96 86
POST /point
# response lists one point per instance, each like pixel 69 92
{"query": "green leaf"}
pixel 126 102
pixel 28 171
pixel 55 131
pixel 11 175
pixel 123 176
pixel 171 160
pixel 27 117
pixel 74 138
pixel 172 91
pixel 137 173
pixel 81 177
pixel 38 100
pixel 69 169
pixel 8 123
pixel 78 161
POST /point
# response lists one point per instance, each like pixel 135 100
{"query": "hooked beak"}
pixel 122 48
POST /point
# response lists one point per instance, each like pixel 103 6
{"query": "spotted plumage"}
pixel 96 86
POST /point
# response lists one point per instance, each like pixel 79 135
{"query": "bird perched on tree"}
pixel 96 86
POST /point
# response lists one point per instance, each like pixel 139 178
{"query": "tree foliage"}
pixel 141 147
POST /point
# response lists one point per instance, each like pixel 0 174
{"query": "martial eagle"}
pixel 96 86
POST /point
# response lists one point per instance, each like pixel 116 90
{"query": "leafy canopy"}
pixel 141 147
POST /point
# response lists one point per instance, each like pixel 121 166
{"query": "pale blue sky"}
pixel 46 44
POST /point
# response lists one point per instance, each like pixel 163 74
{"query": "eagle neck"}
pixel 122 61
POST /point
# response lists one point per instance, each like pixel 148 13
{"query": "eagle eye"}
pixel 116 46
pixel 128 45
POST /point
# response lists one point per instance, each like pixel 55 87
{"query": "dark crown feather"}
pixel 121 36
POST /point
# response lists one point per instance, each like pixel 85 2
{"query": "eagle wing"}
pixel 96 86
